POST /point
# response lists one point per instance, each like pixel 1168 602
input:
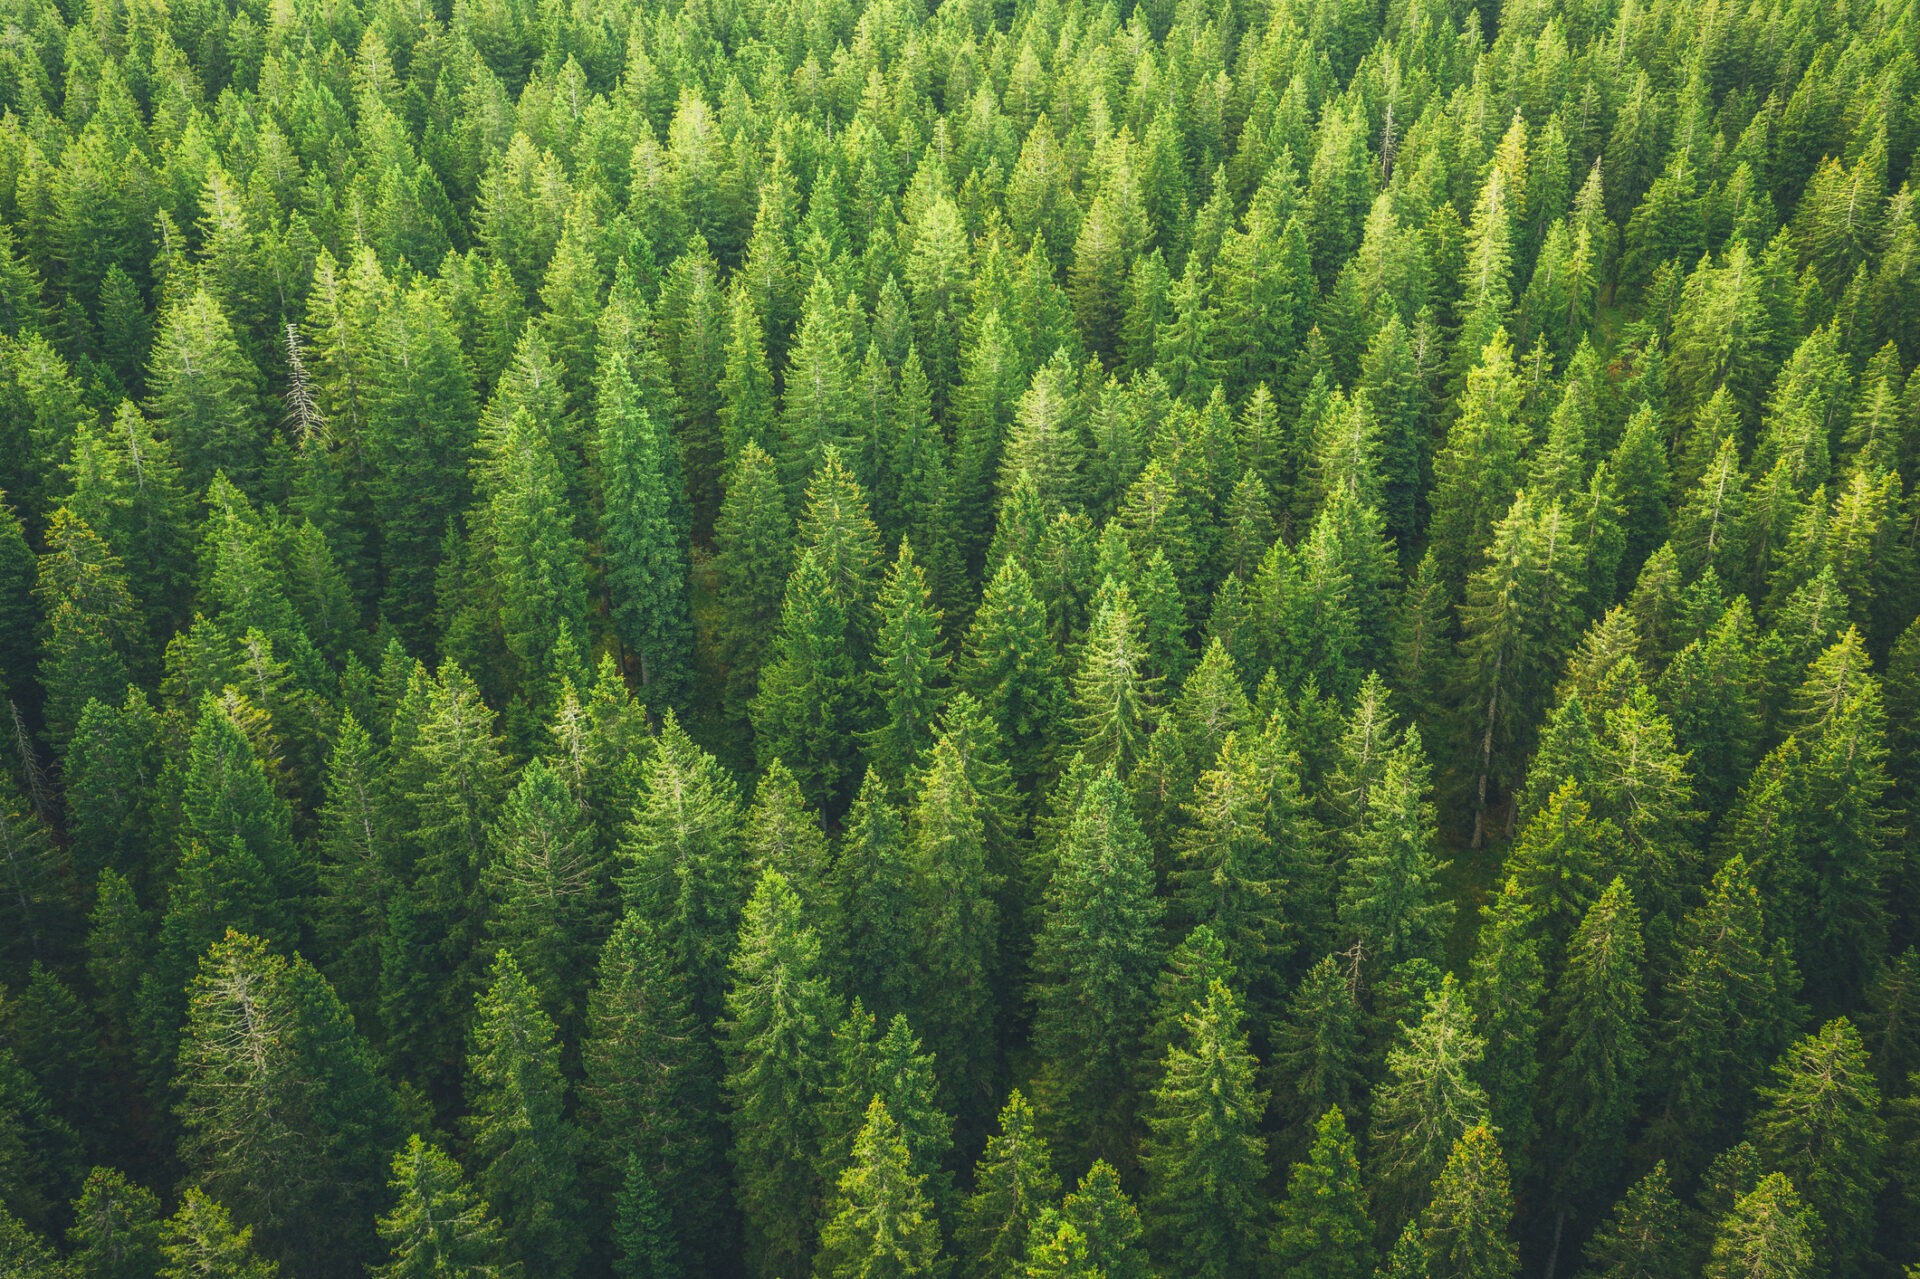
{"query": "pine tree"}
pixel 358 868
pixel 200 1242
pixel 777 1030
pixel 643 529
pixel 1466 1224
pixel 1821 1126
pixel 437 1229
pixel 1013 1185
pixel 1507 987
pixel 880 1220
pixel 1204 1156
pixel 1322 1231
pixel 1097 949
pixel 1428 1100
pixel 524 1148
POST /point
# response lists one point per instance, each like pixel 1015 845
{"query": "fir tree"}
pixel 116 1228
pixel 1636 1240
pixel 910 667
pixel 1770 1234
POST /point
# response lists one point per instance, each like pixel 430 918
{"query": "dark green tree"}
pixel 1322 1230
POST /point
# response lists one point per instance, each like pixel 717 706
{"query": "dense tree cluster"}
pixel 1021 639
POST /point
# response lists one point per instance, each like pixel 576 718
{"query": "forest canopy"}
pixel 1027 639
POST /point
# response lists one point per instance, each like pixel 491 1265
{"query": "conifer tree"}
pixel 437 1229
pixel 1010 665
pixel 1322 1231
pixel 1389 902
pixel 1092 961
pixel 1821 1126
pixel 779 1020
pixel 1204 1154
pixel 207 393
pixel 93 625
pixel 1317 1052
pixel 910 667
pixel 524 1148
pixel 753 554
pixel 1466 1224
pixel 880 1220
pixel 1601 1050
pixel 546 883
pixel 1013 1185
pixel 649 1088
pixel 955 926
pixel 644 528
pixel 200 1241
pixel 1427 1101
pixel 116 1228
pixel 284 1112
pixel 811 701
pixel 640 1231
pixel 684 863
pixel 539 564
pixel 1635 1242
pixel 1114 694
pixel 1770 1234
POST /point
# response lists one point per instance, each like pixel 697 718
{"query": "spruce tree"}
pixel 752 544
pixel 779 1019
pixel 1013 1185
pixel 1095 954
pixel 643 532
pixel 1317 1055
pixel 1322 1231
pixel 1636 1239
pixel 116 1228
pixel 1770 1234
pixel 1204 1155
pixel 1599 1015
pixel 438 1228
pixel 1466 1225
pixel 910 666
pixel 284 1112
pixel 200 1241
pixel 1428 1099
pixel 880 1220
pixel 1820 1125
pixel 524 1148
pixel 684 863
pixel 649 1089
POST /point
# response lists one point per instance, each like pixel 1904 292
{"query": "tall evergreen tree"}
pixel 1204 1155
pixel 437 1229
pixel 643 530
pixel 1013 1185
pixel 524 1147
pixel 1322 1230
